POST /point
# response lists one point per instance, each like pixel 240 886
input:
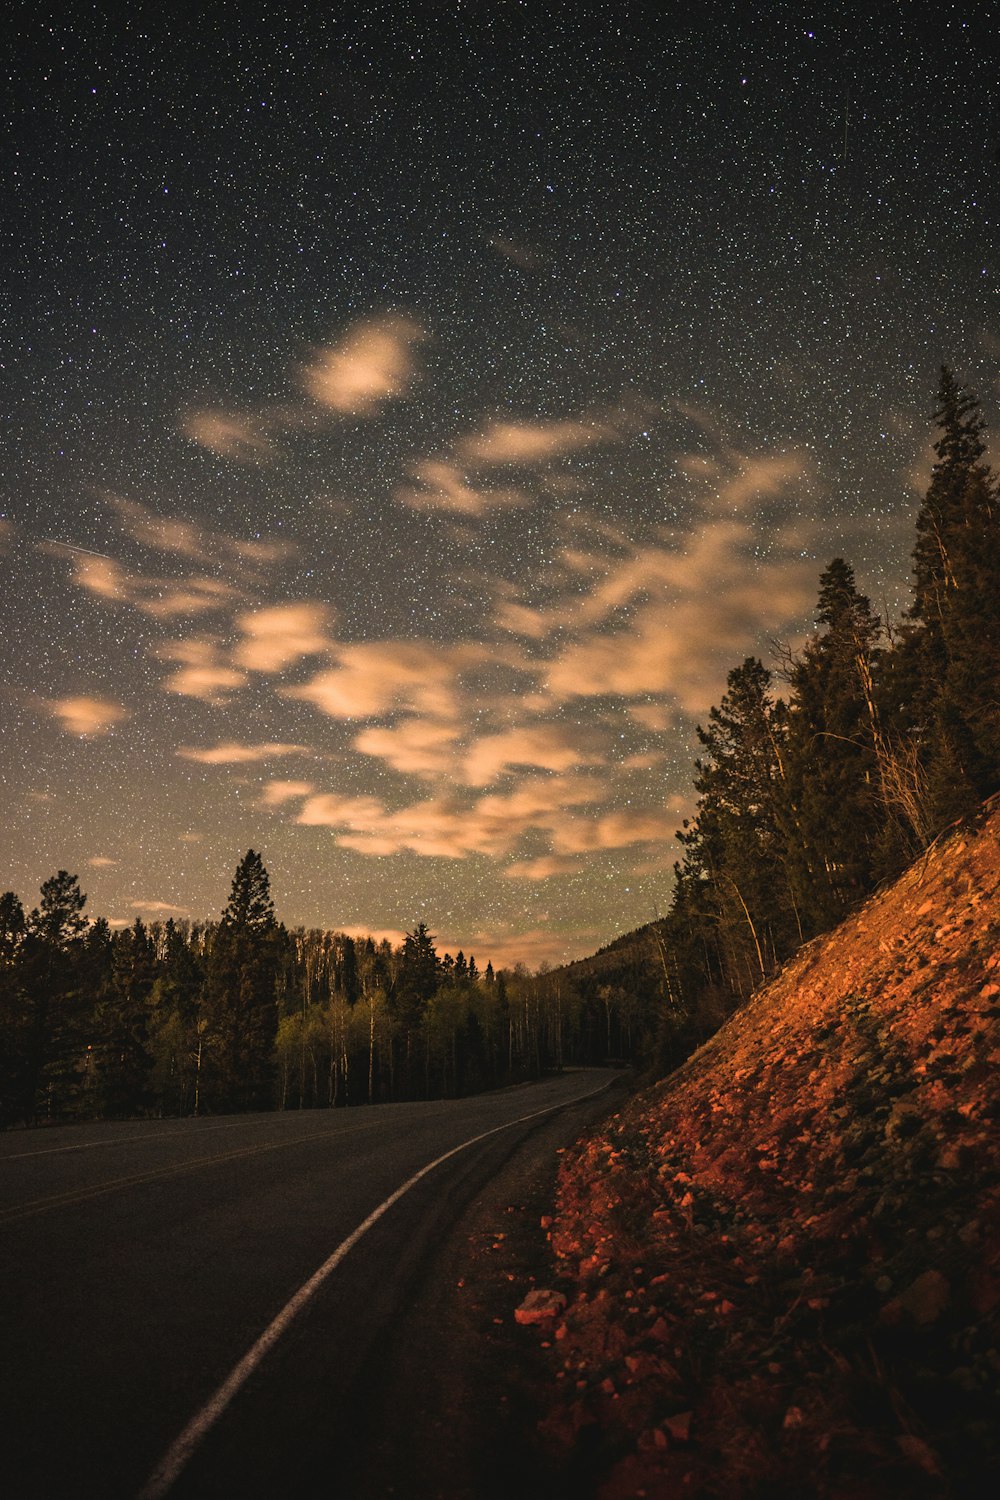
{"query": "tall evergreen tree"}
pixel 241 1010
pixel 737 863
pixel 834 808
pixel 51 963
pixel 122 1059
pixel 950 661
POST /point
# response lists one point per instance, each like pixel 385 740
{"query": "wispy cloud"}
pixel 548 746
pixel 159 908
pixel 517 253
pixel 440 485
pixel 163 598
pixel 86 716
pixel 532 442
pixel 232 753
pixel 101 862
pixel 173 534
pixel 238 438
pixel 277 793
pixel 201 673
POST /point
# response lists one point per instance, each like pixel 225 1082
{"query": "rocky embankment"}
pixel 782 1264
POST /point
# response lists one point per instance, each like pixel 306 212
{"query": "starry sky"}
pixel 410 414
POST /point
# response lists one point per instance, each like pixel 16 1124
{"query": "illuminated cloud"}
pixel 101 862
pixel 200 674
pixel 234 754
pixel 277 793
pixel 162 533
pixel 85 716
pixel 372 365
pixel 447 827
pixel 378 677
pixel 532 442
pixel 547 746
pixel 174 535
pixel 159 908
pixel 163 598
pixel 443 486
pixel 101 576
pixel 237 438
pixel 764 476
pixel 416 747
pixel 612 830
pixel 275 638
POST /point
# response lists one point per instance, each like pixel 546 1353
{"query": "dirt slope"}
pixel 783 1262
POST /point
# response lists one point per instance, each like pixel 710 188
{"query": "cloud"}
pixel 234 754
pixel 183 539
pixel 201 674
pixel 431 748
pixel 240 439
pixel 763 476
pixel 548 746
pixel 163 598
pixel 159 908
pixel 102 576
pixel 193 596
pixel 280 635
pixel 379 677
pixel 443 486
pixel 85 716
pixel 416 747
pixel 449 827
pixel 101 862
pixel 520 254
pixel 277 793
pixel 372 365
pixel 532 442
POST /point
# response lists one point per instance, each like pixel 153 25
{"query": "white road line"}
pixel 180 1453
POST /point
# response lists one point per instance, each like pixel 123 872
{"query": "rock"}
pixel 679 1426
pixel 539 1306
pixel 926 1298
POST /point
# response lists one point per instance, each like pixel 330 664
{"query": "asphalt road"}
pixel 141 1262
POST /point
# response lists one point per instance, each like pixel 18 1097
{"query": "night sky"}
pixel 409 415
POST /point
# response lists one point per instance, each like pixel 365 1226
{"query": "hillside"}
pixel 782 1264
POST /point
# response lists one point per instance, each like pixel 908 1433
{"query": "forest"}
pixel 815 783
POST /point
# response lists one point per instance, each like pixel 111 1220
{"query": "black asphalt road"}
pixel 139 1263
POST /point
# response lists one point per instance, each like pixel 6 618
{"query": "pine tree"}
pixel 122 1059
pixel 950 662
pixel 52 1075
pixel 737 869
pixel 241 1009
pixel 834 809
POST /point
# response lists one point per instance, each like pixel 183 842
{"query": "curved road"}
pixel 195 1307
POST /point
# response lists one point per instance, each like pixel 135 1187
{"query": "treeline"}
pixel 182 1018
pixel 881 738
